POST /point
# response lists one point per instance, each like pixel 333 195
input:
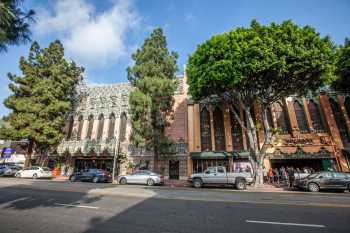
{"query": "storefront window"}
pixel 281 117
pixel 205 130
pixel 301 118
pixel 219 130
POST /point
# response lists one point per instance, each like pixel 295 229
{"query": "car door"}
pixel 325 180
pixel 339 180
pixel 221 177
pixel 132 178
pixel 209 175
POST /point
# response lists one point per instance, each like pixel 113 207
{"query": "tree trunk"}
pixel 28 156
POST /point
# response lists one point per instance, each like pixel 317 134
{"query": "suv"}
pixel 9 170
pixel 325 180
pixel 219 176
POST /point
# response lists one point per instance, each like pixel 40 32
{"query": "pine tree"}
pixel 41 97
pixel 151 101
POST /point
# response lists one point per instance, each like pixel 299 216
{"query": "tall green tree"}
pixel 260 64
pixel 14 23
pixel 342 83
pixel 151 101
pixel 41 97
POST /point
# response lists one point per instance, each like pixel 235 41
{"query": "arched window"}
pixel 80 127
pixel 236 131
pixel 70 127
pixel 219 130
pixel 281 117
pixel 91 124
pixel 340 120
pixel 347 106
pixel 315 115
pixel 205 130
pixel 111 126
pixel 122 127
pixel 101 121
pixel 301 118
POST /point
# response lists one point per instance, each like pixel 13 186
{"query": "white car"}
pixel 142 177
pixel 34 172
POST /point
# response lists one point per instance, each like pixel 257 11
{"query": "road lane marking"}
pixel 78 206
pixel 286 223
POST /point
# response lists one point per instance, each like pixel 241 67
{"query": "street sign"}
pixel 6 153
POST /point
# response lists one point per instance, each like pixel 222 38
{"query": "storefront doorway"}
pixel 315 164
pixel 174 169
pixel 99 163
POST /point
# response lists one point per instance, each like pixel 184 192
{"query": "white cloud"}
pixel 90 37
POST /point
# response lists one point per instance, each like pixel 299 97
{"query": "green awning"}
pixel 244 154
pixel 209 155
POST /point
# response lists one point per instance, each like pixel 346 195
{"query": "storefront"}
pixel 104 163
pixel 321 161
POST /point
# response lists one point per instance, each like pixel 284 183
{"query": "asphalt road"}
pixel 44 206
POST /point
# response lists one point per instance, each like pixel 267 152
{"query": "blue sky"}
pixel 102 34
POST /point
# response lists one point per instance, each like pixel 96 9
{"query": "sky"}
pixel 101 35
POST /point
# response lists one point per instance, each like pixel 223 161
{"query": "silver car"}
pixel 142 177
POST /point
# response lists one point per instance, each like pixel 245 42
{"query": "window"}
pixel 111 126
pixel 80 127
pixel 219 130
pixel 347 106
pixel 301 118
pixel 205 130
pixel 236 131
pixel 281 117
pixel 70 127
pixel 122 127
pixel 221 170
pixel 340 120
pixel 91 123
pixel 315 115
pixel 101 120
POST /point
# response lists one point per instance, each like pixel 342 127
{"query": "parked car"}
pixel 324 180
pixel 34 172
pixel 219 176
pixel 142 177
pixel 92 175
pixel 9 170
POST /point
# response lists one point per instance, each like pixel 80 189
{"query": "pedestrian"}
pixel 291 177
pixel 266 179
pixel 276 175
pixel 271 176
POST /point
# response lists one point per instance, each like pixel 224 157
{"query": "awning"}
pixel 219 155
pixel 210 155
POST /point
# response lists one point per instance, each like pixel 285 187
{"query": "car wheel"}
pixel 35 176
pixel 95 179
pixel 150 182
pixel 123 181
pixel 240 184
pixel 197 183
pixel 312 187
pixel 73 178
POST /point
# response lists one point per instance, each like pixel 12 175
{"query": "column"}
pixel 227 126
pixel 307 115
pixel 212 131
pixel 190 128
pixel 75 128
pixel 105 128
pixel 95 128
pixel 85 128
pixel 292 117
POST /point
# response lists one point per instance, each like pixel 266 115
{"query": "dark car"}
pixel 92 175
pixel 325 180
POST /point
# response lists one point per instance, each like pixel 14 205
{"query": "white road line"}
pixel 287 223
pixel 78 206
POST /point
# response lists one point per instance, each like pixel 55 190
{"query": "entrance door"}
pixel 174 167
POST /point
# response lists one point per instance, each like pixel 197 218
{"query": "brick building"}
pixel 314 132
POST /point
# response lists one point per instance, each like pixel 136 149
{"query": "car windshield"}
pixel 46 169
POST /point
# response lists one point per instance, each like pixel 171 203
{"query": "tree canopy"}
pixel 151 101
pixel 41 96
pixel 342 83
pixel 261 63
pixel 14 23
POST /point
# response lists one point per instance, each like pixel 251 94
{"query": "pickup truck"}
pixel 219 176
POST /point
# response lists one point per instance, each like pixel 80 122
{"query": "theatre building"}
pixel 313 132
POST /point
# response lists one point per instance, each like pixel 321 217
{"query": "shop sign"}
pixel 6 153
